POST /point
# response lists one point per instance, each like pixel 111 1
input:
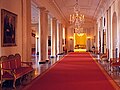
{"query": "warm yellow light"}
pixel 71 38
pixel 80 40
pixel 88 37
pixel 74 40
pixel 77 17
pixel 81 34
pixel 63 33
pixel 37 36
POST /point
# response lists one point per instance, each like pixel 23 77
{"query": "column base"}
pixel 42 62
pixel 60 53
pixel 52 56
pixel 47 60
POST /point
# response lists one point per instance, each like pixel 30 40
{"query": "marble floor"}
pixel 40 68
pixel 106 66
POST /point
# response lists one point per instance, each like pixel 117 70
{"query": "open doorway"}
pixel 35 30
pixel 49 35
pixel 80 42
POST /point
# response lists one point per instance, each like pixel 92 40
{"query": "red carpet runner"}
pixel 76 71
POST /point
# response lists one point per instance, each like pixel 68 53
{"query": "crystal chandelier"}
pixel 79 31
pixel 77 19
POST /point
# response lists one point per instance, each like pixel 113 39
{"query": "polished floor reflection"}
pixel 115 75
pixel 40 68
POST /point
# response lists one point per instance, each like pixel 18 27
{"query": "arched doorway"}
pixel 114 35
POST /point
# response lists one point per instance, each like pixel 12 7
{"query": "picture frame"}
pixel 8 27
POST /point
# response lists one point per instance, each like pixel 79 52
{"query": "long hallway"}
pixel 60 44
pixel 75 71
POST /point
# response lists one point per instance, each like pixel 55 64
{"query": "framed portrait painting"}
pixel 8 28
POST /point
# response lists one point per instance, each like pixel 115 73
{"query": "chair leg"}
pixel 21 80
pixel 1 83
pixel 14 83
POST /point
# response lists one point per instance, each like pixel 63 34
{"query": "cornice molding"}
pixel 103 7
pixel 53 9
pixel 57 8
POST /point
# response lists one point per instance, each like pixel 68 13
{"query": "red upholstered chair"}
pixel 20 63
pixel 5 69
pixel 18 60
pixel 114 64
pixel 23 68
pixel 4 62
pixel 12 68
pixel 11 58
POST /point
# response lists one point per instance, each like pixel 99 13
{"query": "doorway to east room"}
pixel 80 42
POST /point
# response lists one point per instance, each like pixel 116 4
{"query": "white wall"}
pixel 115 7
pixel 13 6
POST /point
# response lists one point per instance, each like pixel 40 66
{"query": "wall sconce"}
pixel 88 38
pixel 71 38
pixel 37 37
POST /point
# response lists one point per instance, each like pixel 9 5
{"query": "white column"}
pixel 54 37
pixel 110 32
pixel 26 46
pixel 60 38
pixel 44 34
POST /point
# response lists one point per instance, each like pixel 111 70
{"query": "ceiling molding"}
pixel 97 8
pixel 55 5
pixel 103 7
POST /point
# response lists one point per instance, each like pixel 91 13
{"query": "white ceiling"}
pixel 34 14
pixel 87 7
pixel 63 8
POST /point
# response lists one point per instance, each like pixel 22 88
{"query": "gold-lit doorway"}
pixel 80 42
